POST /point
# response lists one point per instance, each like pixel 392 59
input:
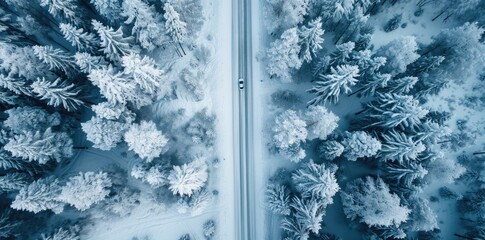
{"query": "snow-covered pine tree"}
pixel 372 82
pixel 400 86
pixel 192 13
pixel 284 14
pixel 309 213
pixel 316 181
pixel 399 54
pixel 310 38
pixel 176 28
pixel 57 93
pixel 114 86
pixel 330 150
pixel 199 201
pixel 342 54
pixel 283 55
pixel 83 41
pixel 422 217
pixel 104 133
pixel 109 9
pixel 189 177
pixel 368 64
pixel 147 23
pixel 320 122
pixel 21 119
pixel 294 228
pixel 423 65
pixel 87 62
pixel 444 170
pixel 370 201
pixel 63 234
pixel 399 147
pixel 85 189
pixel 145 74
pixel 14 181
pixel 278 199
pixel 40 146
pixel 337 10
pixel 146 140
pixel 16 85
pixel 21 61
pixel 431 132
pixel 404 173
pixel 115 112
pixel 9 224
pixel 113 43
pixel 62 8
pixel 391 110
pixel 329 87
pixel 55 58
pixel 7 98
pixel 39 196
pixel 359 145
pixel 289 132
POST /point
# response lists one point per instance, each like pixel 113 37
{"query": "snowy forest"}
pixel 105 115
pixel 376 127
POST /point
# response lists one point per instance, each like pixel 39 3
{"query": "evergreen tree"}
pixel 144 72
pixel 289 132
pixel 176 28
pixel 444 170
pixel 85 189
pixel 115 87
pixel 368 64
pixel 55 58
pixel 316 181
pixel 145 140
pixel 21 61
pixel 147 23
pixel 14 181
pixel 370 201
pixel 341 55
pixel 62 8
pixel 39 196
pixel 284 14
pixel 115 112
pixel 359 145
pixel 278 199
pixel 283 55
pixel 188 178
pixel 191 12
pixel 113 43
pixel 399 147
pixel 399 54
pixel 105 134
pixel 40 146
pixel 330 150
pixel 423 65
pixel 21 119
pixel 392 110
pixel 309 213
pixel 87 62
pixel 57 93
pixel 63 234
pixel 431 132
pixel 422 217
pixel 404 173
pixel 372 82
pixel 8 224
pixel 311 39
pixel 109 9
pixel 295 229
pixel 199 201
pixel 329 87
pixel 320 122
pixel 80 39
pixel 16 85
pixel 201 128
pixel 400 86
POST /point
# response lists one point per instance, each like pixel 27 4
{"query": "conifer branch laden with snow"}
pixel 80 39
pixel 330 86
pixel 113 44
pixel 55 58
pixel 57 93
